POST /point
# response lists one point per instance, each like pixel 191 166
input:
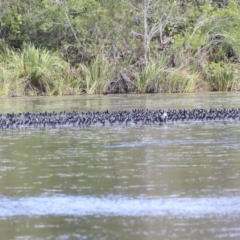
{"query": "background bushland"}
pixel 57 47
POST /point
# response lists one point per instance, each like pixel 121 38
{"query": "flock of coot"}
pixel 115 118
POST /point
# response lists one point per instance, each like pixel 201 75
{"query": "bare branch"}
pixel 134 34
pixel 66 10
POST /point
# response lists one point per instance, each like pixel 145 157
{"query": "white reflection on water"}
pixel 119 206
pixel 144 143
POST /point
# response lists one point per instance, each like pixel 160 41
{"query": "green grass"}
pixel 182 81
pixel 151 78
pixel 235 81
pixel 4 81
pixel 220 76
pixel 33 71
pixel 94 77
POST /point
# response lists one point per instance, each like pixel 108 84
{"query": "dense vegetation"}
pixel 59 47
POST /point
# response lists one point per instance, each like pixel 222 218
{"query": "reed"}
pixel 35 70
pixel 235 82
pixel 11 83
pixel 49 74
pixel 182 81
pixel 151 78
pixel 4 81
pixel 220 76
pixel 94 77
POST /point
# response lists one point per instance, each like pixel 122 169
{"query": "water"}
pixel 179 181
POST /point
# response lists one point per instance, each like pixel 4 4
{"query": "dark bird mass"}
pixel 115 118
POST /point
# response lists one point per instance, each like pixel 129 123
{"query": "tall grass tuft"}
pixel 182 80
pixel 94 77
pixel 50 74
pixel 151 78
pixel 220 76
pixel 11 84
pixel 4 81
pixel 234 84
pixel 33 70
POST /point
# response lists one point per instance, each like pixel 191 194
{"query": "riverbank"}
pixel 106 47
pixel 34 71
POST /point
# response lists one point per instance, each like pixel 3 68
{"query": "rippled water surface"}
pixel 179 181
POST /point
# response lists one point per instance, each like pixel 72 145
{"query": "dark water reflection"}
pixel 178 181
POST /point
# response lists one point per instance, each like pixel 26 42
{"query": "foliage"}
pixel 151 78
pixel 220 76
pixel 182 81
pixel 34 70
pixel 72 46
pixel 95 77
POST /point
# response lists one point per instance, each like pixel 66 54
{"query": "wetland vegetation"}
pixel 63 47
